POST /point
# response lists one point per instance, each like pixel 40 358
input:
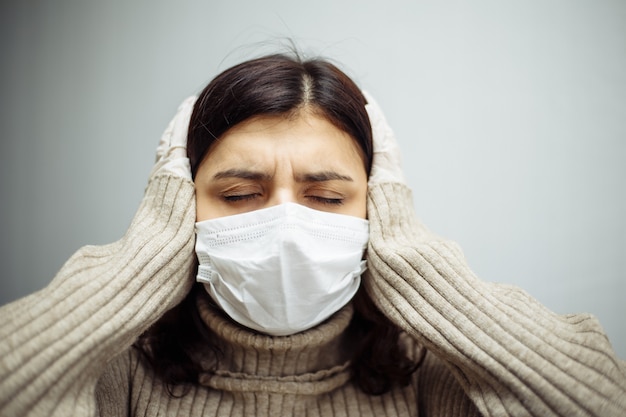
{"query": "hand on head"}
pixel 386 163
pixel 171 154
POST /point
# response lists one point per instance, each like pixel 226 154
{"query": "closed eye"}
pixel 240 197
pixel 326 200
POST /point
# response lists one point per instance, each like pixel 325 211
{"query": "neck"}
pixel 247 351
pixel 319 356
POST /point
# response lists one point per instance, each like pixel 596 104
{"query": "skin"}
pixel 266 161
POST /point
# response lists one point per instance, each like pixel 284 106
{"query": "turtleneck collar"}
pixel 316 359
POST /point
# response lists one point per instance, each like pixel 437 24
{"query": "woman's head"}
pixel 277 129
pixel 275 121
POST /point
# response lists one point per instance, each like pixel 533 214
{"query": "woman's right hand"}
pixel 171 154
pixel 168 209
pixel 386 167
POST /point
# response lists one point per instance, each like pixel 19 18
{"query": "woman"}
pixel 286 160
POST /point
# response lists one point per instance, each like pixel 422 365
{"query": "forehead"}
pixel 306 140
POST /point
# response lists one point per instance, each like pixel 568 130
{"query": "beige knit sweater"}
pixel 490 349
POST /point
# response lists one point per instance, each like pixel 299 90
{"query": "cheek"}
pixel 363 204
pixel 357 205
pixel 203 206
pixel 209 206
pixel 360 178
pixel 206 207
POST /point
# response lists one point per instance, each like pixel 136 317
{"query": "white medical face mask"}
pixel 283 269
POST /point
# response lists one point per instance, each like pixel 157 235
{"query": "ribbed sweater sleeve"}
pixel 511 355
pixel 56 343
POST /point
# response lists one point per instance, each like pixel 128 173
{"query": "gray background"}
pixel 511 117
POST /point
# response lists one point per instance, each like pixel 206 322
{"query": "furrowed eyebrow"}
pixel 246 174
pixel 241 173
pixel 322 176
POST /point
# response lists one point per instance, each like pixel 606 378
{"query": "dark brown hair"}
pixel 277 85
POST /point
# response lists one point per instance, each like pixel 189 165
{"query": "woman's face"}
pixel 270 160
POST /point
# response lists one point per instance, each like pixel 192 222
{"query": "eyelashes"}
pixel 239 197
pixel 326 200
pixel 316 199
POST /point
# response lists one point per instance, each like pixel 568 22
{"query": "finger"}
pixel 164 142
pixel 386 166
pixel 181 123
pixel 175 134
pixel 381 131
